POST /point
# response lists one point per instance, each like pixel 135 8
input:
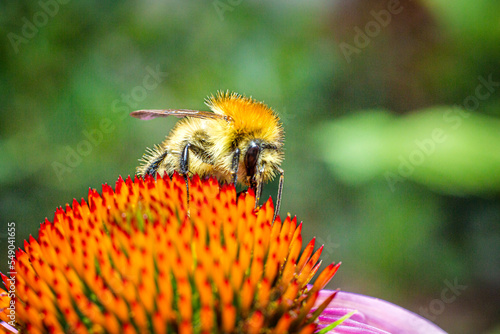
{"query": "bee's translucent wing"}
pixel 154 113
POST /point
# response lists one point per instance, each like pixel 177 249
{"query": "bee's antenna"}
pixel 280 191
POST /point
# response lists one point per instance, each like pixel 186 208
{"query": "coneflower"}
pixel 133 260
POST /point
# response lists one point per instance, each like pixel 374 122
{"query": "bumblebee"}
pixel 240 141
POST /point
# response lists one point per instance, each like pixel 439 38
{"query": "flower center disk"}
pixel 135 260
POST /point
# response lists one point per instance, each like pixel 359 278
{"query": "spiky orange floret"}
pixel 134 260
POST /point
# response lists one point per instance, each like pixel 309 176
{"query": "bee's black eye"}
pixel 251 158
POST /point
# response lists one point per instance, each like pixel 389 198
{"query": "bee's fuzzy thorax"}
pixel 247 114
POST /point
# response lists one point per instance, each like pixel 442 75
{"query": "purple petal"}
pixel 374 316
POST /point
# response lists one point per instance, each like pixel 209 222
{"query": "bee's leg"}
pixel 151 161
pixel 253 177
pixel 258 192
pixel 184 169
pixel 280 191
pixel 258 185
pixel 152 168
pixel 235 164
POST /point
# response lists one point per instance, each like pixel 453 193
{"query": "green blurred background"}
pixel 391 111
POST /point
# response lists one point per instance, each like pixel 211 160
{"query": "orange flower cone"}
pixel 136 260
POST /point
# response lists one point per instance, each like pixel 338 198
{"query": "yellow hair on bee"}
pixel 248 115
